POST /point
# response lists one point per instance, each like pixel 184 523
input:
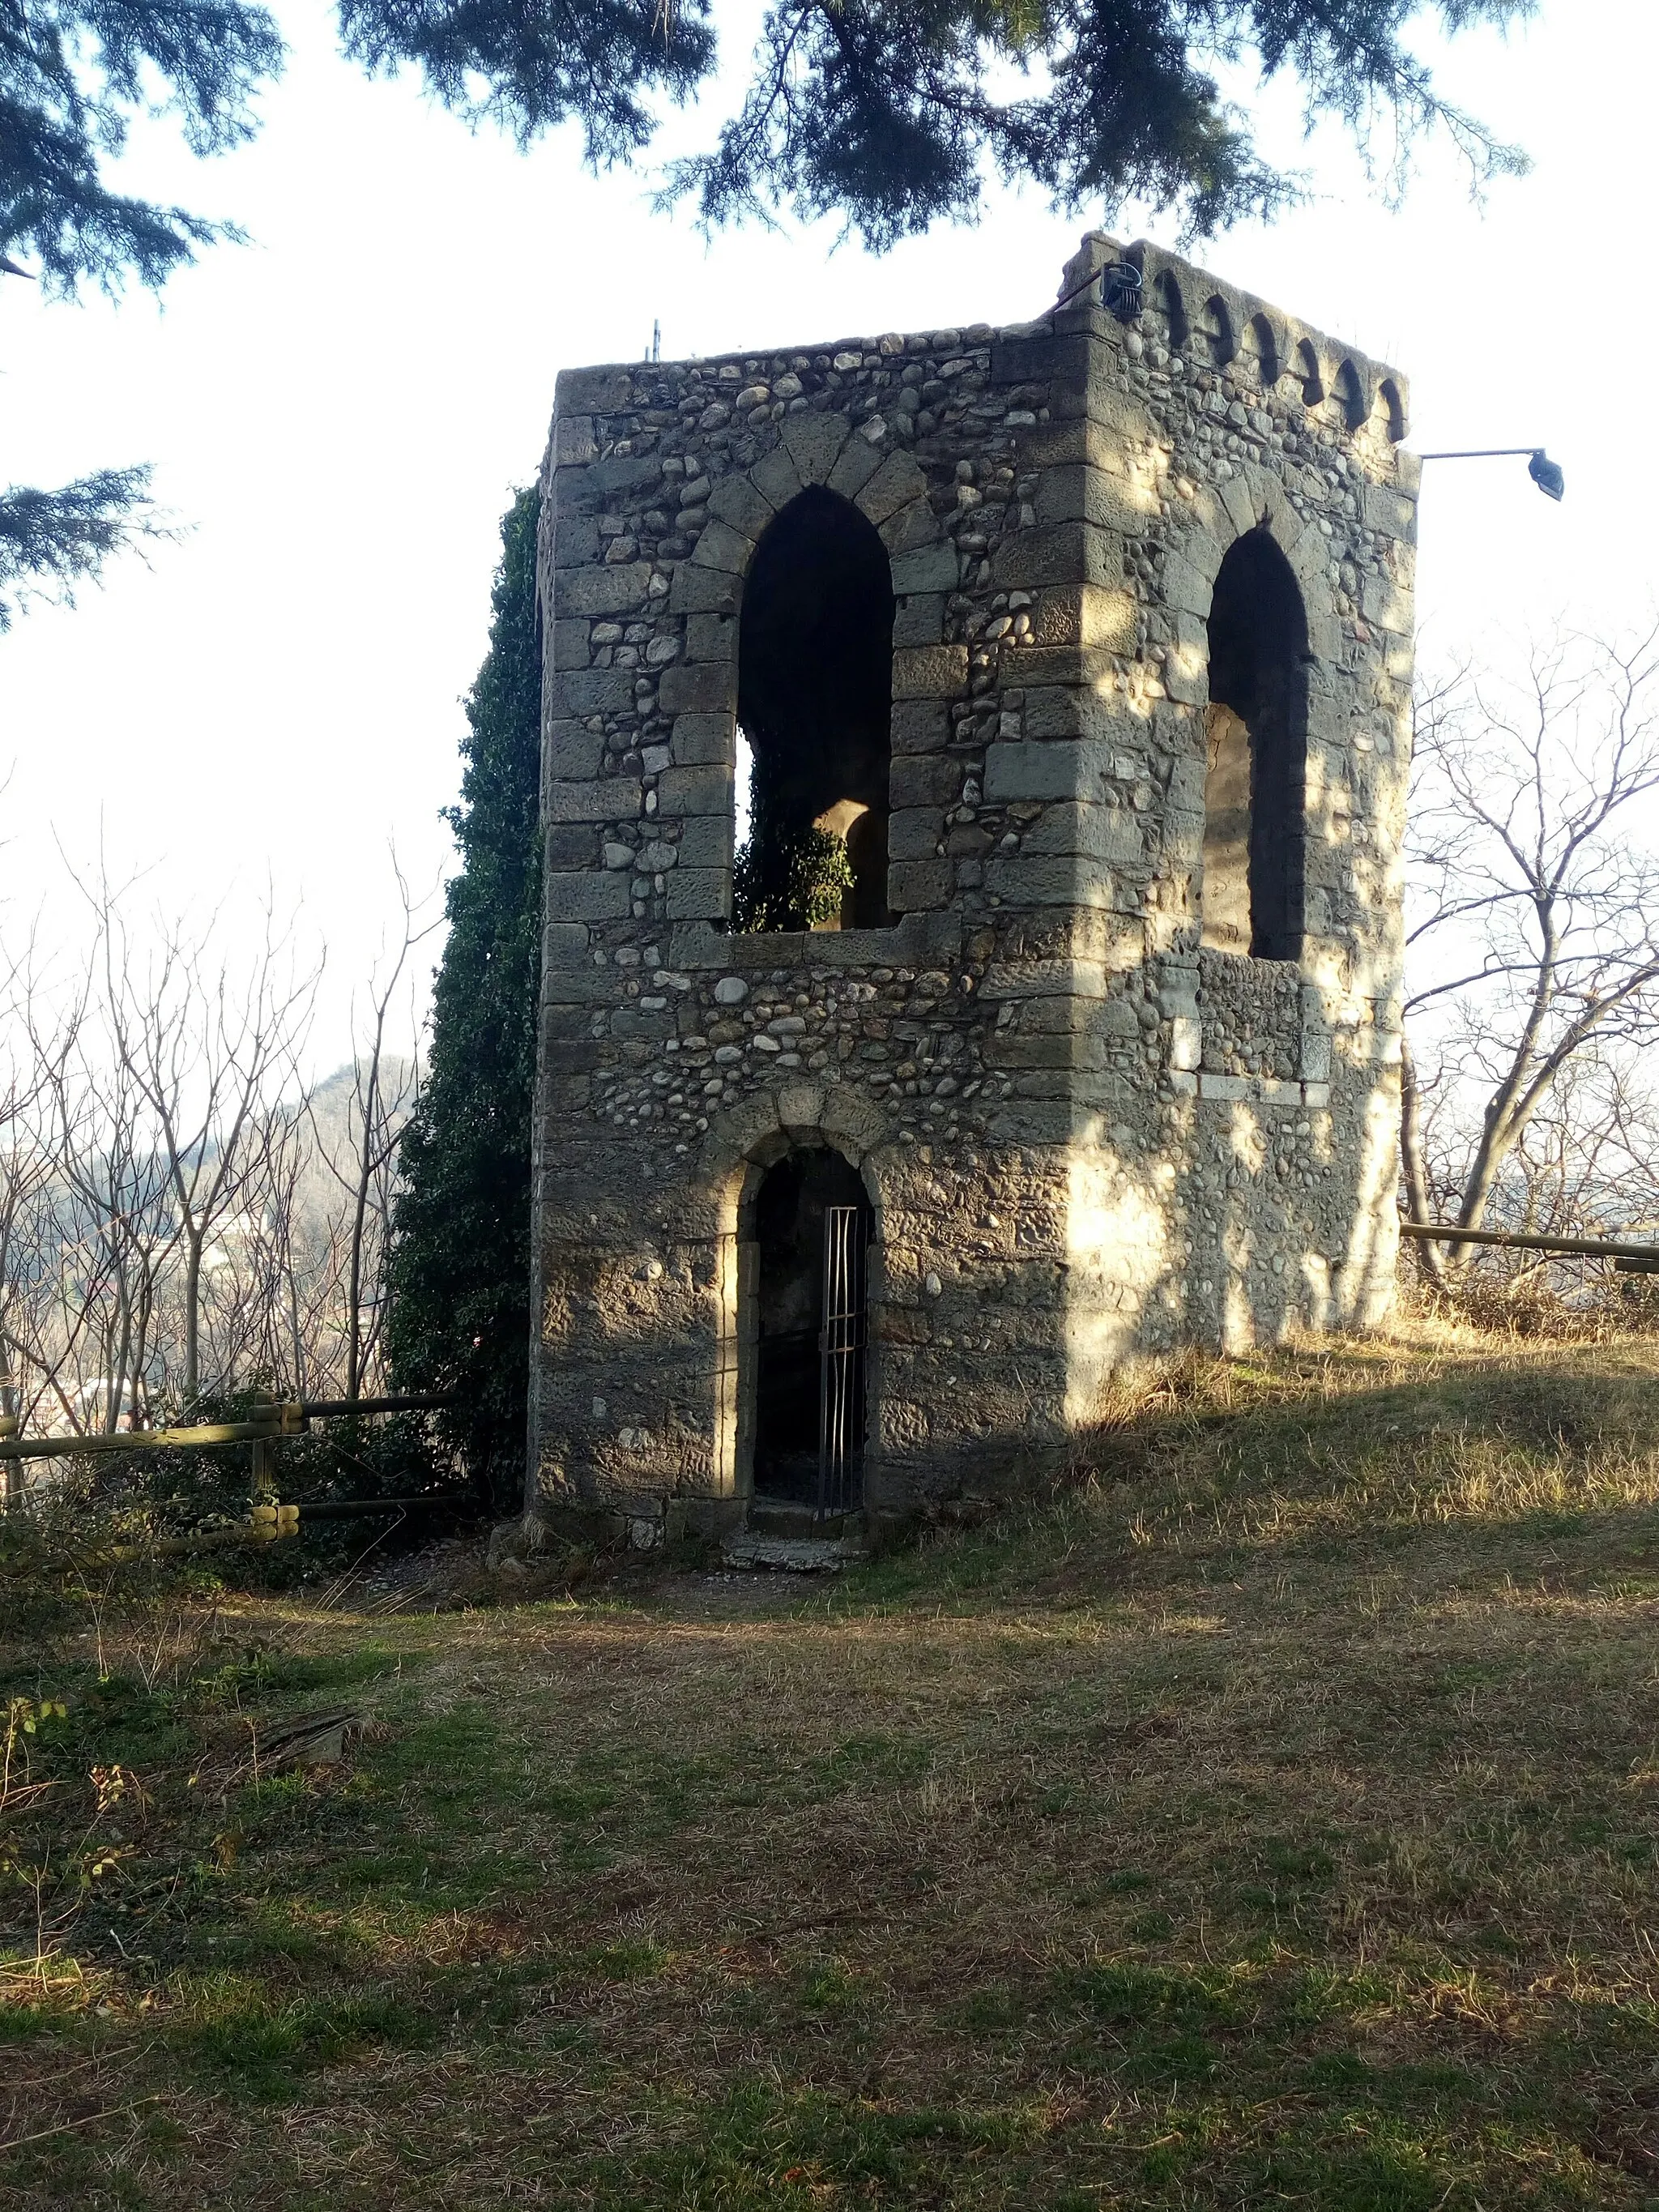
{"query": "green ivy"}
pixel 817 871
pixel 458 1275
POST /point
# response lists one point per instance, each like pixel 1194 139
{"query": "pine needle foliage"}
pixel 49 541
pixel 458 1275
pixel 892 114
pixel 73 75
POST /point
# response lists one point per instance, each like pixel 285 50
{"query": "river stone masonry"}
pixel 1086 1138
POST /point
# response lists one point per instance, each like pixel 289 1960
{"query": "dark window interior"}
pixel 1258 668
pixel 815 652
pixel 788 1226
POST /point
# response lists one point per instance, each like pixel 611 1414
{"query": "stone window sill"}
pixel 915 940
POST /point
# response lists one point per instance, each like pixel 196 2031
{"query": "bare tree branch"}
pixel 1534 903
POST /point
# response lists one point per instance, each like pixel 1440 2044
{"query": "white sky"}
pixel 340 410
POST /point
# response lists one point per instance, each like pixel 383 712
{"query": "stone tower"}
pixel 1083 649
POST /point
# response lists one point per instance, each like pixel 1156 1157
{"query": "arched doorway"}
pixel 810 1222
pixel 814 682
pixel 1256 770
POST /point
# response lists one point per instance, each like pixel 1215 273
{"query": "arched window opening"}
pixel 810 1223
pixel 1167 301
pixel 1256 770
pixel 815 652
pixel 1262 349
pixel 1350 395
pixel 1306 368
pixel 1216 329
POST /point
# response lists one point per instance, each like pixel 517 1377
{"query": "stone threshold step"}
pixel 792 1555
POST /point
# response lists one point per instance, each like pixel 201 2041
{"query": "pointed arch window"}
pixel 815 651
pixel 1255 768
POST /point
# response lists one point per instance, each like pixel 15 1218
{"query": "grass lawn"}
pixel 1271 1822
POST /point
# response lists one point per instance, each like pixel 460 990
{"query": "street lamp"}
pixel 1544 473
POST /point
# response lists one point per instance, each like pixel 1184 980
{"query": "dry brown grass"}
pixel 1270 1821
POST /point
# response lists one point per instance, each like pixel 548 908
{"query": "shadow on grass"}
pixel 1312 1456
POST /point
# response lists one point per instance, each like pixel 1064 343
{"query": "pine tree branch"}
pixel 51 541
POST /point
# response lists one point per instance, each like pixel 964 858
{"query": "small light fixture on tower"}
pixel 1544 473
pixel 1120 291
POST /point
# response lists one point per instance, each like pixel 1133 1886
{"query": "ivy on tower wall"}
pixel 460 1269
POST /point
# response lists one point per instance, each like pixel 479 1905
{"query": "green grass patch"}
pixel 1265 1821
pixel 232 2028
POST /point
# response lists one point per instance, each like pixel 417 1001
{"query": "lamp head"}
pixel 1119 289
pixel 1546 475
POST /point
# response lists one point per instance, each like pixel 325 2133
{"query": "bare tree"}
pixel 1534 906
pixel 1588 1162
pixel 178 1210
pixel 116 1221
pixel 285 1314
pixel 211 1050
pixel 375 1117
pixel 37 1049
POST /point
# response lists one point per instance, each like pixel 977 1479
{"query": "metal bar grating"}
pixel 840 1362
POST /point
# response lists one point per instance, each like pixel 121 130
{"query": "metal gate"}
pixel 840 1362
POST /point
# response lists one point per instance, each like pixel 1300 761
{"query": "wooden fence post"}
pixel 11 1470
pixel 262 1459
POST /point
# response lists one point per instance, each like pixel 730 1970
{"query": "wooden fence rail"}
pixel 287 1419
pixel 269 1518
pixel 1446 1232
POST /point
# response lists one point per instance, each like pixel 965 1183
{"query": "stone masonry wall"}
pixel 1086 1141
